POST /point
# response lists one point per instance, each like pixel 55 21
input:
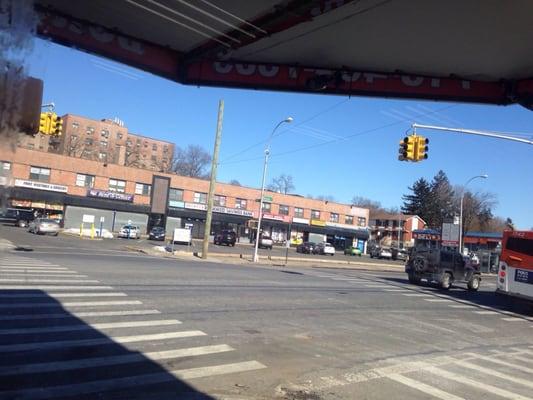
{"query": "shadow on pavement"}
pixel 20 248
pixel 481 298
pixel 46 353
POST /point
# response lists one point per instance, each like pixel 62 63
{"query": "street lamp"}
pixel 484 176
pixel 287 120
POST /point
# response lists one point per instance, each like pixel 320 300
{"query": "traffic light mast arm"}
pixel 472 132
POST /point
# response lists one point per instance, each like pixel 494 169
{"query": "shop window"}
pixel 298 212
pixel 200 197
pixel 40 174
pixel 5 167
pixel 348 220
pixel 361 221
pixel 315 214
pixel 240 204
pixel 283 210
pixel 220 200
pixel 333 217
pixel 116 185
pixel 267 207
pixel 85 180
pixel 175 194
pixel 143 188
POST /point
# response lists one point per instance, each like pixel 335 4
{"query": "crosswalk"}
pixel 66 335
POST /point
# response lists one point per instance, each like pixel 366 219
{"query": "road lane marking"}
pixel 437 300
pixel 460 306
pixel 53 287
pixel 39 275
pixel 71 304
pixel 43 268
pixel 77 389
pixel 500 375
pixel 478 385
pixel 394 290
pixel 430 390
pixel 78 314
pixel 35 272
pixel 370 285
pixel 514 319
pixel 88 326
pixel 112 360
pixel 416 295
pixel 504 363
pixel 46 295
pixel 486 312
pixel 5 280
pixel 10 348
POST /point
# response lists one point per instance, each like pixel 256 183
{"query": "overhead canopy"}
pixel 460 50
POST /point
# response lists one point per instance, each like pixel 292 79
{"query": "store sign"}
pixel 40 186
pixel 233 211
pixel 346 226
pixel 176 204
pixel 196 206
pixel 304 221
pixel 3 180
pixel 104 194
pixel 282 218
pixel 450 234
pixel 267 199
pixel 317 222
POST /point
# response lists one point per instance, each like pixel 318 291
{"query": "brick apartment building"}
pixel 67 188
pixel 386 228
pixel 108 141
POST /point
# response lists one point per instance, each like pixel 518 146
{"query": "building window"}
pixel 361 221
pixel 154 157
pixel 154 147
pixel 200 197
pixel 240 204
pixel 5 167
pixel 105 133
pixel 85 180
pixel 315 214
pixel 102 156
pixel 119 135
pixel 90 130
pixel 103 143
pixel 165 149
pixel 333 217
pixel 39 174
pixel 267 207
pixel 88 141
pixel 145 144
pixel 143 188
pixel 348 220
pixel 175 194
pixel 128 143
pixel 283 210
pixel 298 212
pixel 220 200
pixel 75 125
pixel 116 185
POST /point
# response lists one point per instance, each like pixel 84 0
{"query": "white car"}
pixel 324 248
pixel 129 232
pixel 266 242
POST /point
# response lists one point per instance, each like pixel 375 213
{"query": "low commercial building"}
pixel 388 228
pixel 69 189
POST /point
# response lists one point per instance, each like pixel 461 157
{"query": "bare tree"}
pixel 282 184
pixel 235 182
pixel 364 202
pixel 477 208
pixel 192 161
pixel 325 197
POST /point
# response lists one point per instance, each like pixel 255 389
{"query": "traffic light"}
pixel 421 148
pixel 407 148
pixel 56 125
pixel 45 123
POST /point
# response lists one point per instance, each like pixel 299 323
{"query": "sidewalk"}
pixel 6 245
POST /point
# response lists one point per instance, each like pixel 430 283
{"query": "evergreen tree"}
pixel 442 205
pixel 417 203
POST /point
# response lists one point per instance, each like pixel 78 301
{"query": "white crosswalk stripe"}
pixel 34 293
pixel 428 389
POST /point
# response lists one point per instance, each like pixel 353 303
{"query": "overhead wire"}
pixel 233 16
pixel 183 25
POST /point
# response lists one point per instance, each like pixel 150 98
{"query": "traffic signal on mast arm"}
pixel 421 148
pixel 45 123
pixel 56 125
pixel 407 149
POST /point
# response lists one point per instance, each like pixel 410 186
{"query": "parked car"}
pixel 265 241
pixel 380 252
pixel 44 226
pixel 130 232
pixel 353 251
pixel 226 237
pixel 324 249
pixel 157 233
pixel 305 248
pixel 399 254
pixel 17 216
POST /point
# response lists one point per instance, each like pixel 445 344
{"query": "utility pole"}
pixel 213 180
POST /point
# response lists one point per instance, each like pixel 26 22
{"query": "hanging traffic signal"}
pixel 56 125
pixel 421 148
pixel 45 123
pixel 407 149
pixel 402 151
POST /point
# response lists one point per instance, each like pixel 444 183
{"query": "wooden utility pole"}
pixel 213 180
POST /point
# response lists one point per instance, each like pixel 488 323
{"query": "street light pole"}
pixel 484 176
pixel 287 120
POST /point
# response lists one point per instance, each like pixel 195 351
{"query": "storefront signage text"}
pixel 103 194
pixel 282 218
pixel 233 211
pixel 300 221
pixel 346 226
pixel 176 204
pixel 40 186
pixel 196 206
pixel 317 222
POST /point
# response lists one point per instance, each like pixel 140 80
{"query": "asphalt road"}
pixel 112 325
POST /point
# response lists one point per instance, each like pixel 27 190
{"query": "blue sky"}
pixel 352 142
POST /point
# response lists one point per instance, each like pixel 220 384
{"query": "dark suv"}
pixel 17 217
pixel 226 237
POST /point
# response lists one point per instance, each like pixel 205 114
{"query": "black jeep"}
pixel 441 266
